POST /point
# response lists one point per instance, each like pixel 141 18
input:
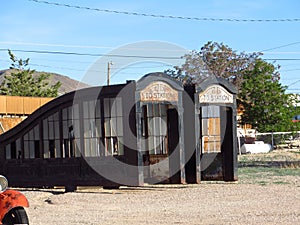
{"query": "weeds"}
pixel 278 167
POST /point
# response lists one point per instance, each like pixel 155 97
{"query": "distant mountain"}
pixel 68 84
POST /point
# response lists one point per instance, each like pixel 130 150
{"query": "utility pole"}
pixel 108 72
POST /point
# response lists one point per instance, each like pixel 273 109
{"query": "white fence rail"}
pixel 277 139
pixel 274 139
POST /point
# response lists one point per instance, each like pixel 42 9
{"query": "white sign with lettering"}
pixel 215 94
pixel 159 91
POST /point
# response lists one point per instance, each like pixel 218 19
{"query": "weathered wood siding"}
pixel 19 105
pixel 14 109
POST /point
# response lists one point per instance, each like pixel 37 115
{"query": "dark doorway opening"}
pixel 217 161
pixel 227 143
pixel 173 141
pixel 159 140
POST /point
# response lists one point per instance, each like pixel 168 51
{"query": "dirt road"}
pixel 208 203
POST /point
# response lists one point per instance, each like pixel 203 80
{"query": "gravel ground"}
pixel 206 203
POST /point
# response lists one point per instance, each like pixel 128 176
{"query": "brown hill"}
pixel 68 84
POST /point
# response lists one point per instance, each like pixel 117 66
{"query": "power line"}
pixel 266 51
pixel 281 46
pixel 288 79
pixel 282 59
pixel 282 53
pixel 91 54
pixel 82 70
pixel 293 83
pixel 122 56
pixel 164 16
pixel 290 70
pixel 135 48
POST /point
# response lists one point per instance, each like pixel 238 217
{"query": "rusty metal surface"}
pixel 10 199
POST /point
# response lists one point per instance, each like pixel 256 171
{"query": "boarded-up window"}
pixel 211 129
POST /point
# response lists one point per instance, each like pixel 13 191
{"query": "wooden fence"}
pixel 14 109
pixel 20 106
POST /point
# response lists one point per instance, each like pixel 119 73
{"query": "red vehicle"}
pixel 296 119
pixel 12 205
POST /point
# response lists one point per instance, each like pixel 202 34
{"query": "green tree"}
pixel 21 81
pixel 266 105
pixel 214 59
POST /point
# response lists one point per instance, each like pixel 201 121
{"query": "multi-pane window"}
pixel 70 124
pixel 113 126
pixel 10 151
pixel 211 132
pixel 51 138
pixel 13 150
pixel 92 128
pixel 32 143
pixel 155 128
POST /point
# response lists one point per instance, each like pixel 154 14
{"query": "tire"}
pixel 16 216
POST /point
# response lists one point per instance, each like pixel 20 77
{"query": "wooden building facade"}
pixel 154 130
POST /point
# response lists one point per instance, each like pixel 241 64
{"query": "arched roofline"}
pixel 204 84
pixel 158 76
pixel 59 102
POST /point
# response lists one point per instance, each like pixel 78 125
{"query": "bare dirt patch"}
pixel 213 203
pixel 265 194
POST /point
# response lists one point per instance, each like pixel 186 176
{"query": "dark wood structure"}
pixel 69 140
pixel 216 130
pixel 128 134
pixel 160 129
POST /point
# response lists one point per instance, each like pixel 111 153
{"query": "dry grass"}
pixel 276 167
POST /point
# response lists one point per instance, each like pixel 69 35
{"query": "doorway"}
pixel 216 137
pixel 227 143
pixel 160 137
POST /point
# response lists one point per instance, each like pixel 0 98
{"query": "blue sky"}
pixel 27 25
